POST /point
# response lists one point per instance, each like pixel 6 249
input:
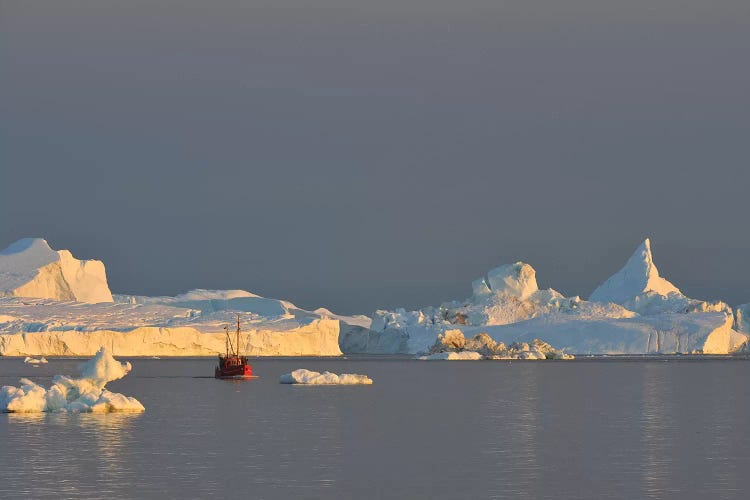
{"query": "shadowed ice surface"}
pixel 585 429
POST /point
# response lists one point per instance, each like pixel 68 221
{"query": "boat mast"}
pixel 238 335
pixel 228 340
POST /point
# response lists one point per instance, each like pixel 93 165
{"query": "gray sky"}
pixel 364 154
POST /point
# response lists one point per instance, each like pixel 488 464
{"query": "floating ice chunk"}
pixel 453 356
pixel 34 361
pixel 308 377
pixel 452 345
pixel 84 394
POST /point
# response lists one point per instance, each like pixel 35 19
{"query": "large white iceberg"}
pixel 159 327
pixel 85 393
pixel 30 268
pixel 309 377
pixel 54 305
pixel 634 312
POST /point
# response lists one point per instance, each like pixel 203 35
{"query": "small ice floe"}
pixel 34 361
pixel 452 356
pixel 308 377
pixel 67 394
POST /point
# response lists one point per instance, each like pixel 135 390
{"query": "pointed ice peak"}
pixel 639 275
pixel 517 279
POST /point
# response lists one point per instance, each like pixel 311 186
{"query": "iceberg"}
pixel 30 268
pixel 308 377
pixel 635 311
pixel 43 327
pixel 85 393
pixel 52 304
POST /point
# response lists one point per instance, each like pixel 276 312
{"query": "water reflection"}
pixel 655 425
pixel 511 427
pixel 76 454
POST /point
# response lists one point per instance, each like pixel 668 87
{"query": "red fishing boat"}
pixel 233 365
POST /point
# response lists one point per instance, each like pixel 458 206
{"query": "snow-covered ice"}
pixel 308 377
pixel 85 393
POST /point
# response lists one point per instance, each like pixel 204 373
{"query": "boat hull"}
pixel 233 367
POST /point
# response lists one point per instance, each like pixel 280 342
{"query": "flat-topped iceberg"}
pixel 308 377
pixel 85 393
pixel 54 305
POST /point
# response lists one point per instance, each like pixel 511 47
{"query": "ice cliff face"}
pixel 742 318
pixel 188 325
pixel 30 268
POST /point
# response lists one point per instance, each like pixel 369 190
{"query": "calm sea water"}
pixel 657 428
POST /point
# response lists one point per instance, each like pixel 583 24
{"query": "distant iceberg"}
pixel 636 311
pixel 76 395
pixel 308 377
